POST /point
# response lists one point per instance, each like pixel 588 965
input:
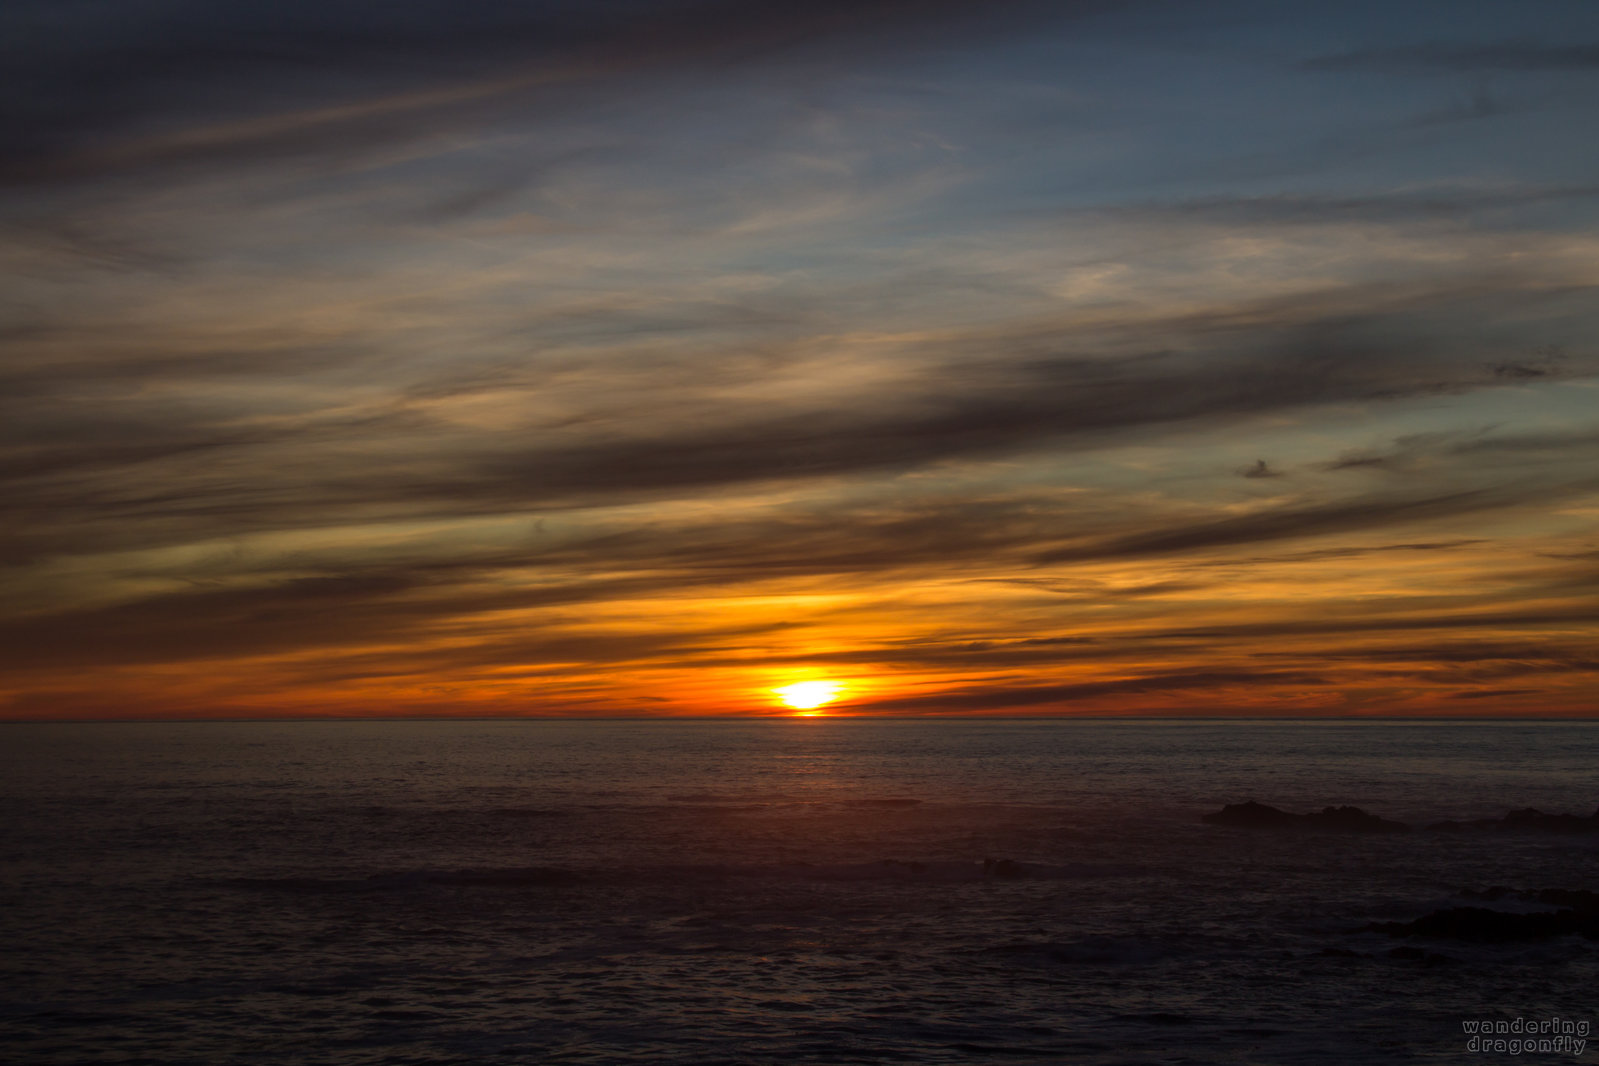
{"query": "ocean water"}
pixel 795 890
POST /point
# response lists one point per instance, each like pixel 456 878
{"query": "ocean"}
pixel 821 890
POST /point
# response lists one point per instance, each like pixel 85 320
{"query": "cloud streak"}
pixel 192 85
pixel 1454 58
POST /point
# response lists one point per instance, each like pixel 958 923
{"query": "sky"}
pixel 640 357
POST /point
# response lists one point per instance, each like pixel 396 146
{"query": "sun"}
pixel 808 695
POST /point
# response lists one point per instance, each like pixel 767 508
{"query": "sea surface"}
pixel 814 890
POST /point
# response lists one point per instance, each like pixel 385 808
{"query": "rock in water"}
pixel 1252 815
pixel 1526 820
pixel 1483 926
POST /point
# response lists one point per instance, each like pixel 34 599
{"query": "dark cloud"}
pixel 1001 696
pixel 1548 444
pixel 1352 551
pixel 1356 461
pixel 245 605
pixel 1449 58
pixel 86 466
pixel 1578 615
pixel 241 606
pixel 145 84
pixel 333 613
pixel 1481 446
pixel 1284 523
pixel 1463 207
pixel 1541 652
pixel 1097 591
pixel 994 654
pixel 1469 663
pixel 987 404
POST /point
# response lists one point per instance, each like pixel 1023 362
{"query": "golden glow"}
pixel 807 695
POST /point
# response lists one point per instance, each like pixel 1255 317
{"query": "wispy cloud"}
pixel 1498 55
pixel 185 85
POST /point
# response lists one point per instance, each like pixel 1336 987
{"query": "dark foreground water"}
pixel 805 890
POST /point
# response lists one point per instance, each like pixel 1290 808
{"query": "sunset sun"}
pixel 808 695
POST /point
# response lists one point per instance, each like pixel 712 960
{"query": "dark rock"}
pixel 1526 820
pixel 1252 815
pixel 1354 820
pixel 1579 900
pixel 1479 925
pixel 1529 819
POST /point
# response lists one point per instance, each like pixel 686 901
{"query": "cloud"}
pixel 1461 206
pixel 1543 652
pixel 1451 58
pixel 1456 662
pixel 351 592
pixel 1483 447
pixel 984 396
pixel 488 345
pixel 1577 616
pixel 1000 697
pixel 1353 551
pixel 188 84
pixel 1291 522
pixel 335 614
